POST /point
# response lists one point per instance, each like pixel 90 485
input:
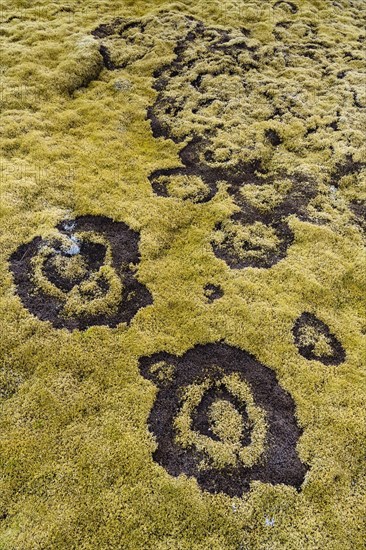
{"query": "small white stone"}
pixel 69 226
pixel 74 248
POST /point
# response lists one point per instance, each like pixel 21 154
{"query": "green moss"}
pixel 80 67
pixel 310 336
pixel 226 423
pixel 266 196
pixel 90 299
pixel 76 455
pixel 163 370
pixel 184 187
pixel 247 242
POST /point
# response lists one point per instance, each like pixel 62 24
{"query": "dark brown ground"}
pixel 213 292
pixel 280 463
pixel 358 208
pixel 124 244
pixel 338 354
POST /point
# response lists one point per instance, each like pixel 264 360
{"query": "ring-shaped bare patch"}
pixel 315 341
pixel 82 275
pixel 181 421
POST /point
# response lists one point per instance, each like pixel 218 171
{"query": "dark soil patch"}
pixel 279 462
pixel 273 137
pixel 295 202
pixel 359 212
pixel 213 292
pixel 345 168
pixel 338 353
pixel 124 244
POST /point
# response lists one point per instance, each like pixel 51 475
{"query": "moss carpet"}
pixel 183 320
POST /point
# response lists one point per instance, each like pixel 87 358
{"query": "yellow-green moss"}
pixel 226 423
pixel 89 299
pixel 185 187
pixel 266 196
pixel 163 371
pixel 75 453
pixel 247 241
pixel 85 297
pixel 308 335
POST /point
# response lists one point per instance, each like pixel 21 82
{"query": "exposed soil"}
pixel 213 292
pixel 124 244
pixel 345 168
pixel 279 462
pixel 295 202
pixel 337 354
pixel 273 137
pixel 359 211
